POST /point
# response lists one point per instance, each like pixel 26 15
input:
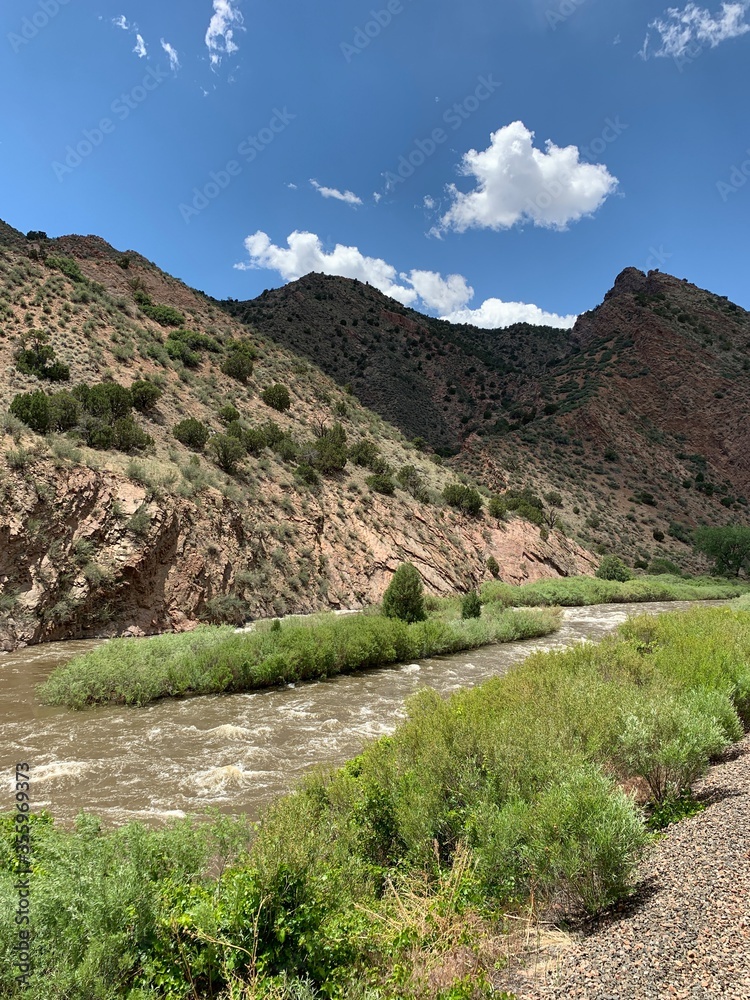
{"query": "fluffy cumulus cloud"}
pixel 227 17
pixel 494 313
pixel 447 296
pixel 682 30
pixel 517 183
pixel 174 59
pixel 328 192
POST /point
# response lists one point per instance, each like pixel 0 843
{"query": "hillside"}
pixel 108 523
pixel 638 417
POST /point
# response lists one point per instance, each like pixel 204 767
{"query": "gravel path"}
pixel 687 931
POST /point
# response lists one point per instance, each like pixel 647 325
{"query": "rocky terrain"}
pixel 98 541
pixel 638 416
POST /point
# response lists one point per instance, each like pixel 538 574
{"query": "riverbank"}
pixel 583 591
pixel 686 930
pixel 394 876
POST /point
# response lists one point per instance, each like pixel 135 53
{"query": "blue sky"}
pixel 466 156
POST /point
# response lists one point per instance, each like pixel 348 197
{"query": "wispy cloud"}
pixel 328 192
pixel 517 183
pixel 682 29
pixel 121 22
pixel 446 295
pixel 220 33
pixel 140 47
pixel 174 59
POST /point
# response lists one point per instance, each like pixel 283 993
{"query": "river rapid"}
pixel 233 752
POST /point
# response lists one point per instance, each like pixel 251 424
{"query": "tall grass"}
pixel 377 880
pixel 213 660
pixel 581 591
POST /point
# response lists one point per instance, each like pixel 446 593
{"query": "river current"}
pixel 234 752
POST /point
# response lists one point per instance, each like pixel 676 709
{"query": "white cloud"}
pixel 220 33
pixel 448 296
pixel 140 47
pixel 681 30
pixel 429 203
pixel 174 59
pixel 517 183
pixel 348 196
pixel 376 196
pixel 292 187
pixel 494 313
pixel 438 293
pixel 121 22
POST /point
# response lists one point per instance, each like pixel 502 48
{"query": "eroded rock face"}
pixel 89 553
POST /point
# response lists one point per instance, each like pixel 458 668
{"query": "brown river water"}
pixel 234 752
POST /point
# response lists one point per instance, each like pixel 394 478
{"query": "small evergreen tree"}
pixel 192 433
pixel 276 396
pixel 404 597
pixel 613 568
pixel 471 606
pixel 493 566
pixel 228 451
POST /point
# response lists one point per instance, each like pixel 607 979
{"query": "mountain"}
pixel 109 524
pixel 637 417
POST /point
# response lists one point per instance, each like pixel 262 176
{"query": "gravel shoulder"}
pixel 686 932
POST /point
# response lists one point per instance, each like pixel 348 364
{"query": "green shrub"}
pixel 493 566
pixel 105 400
pixel 613 568
pixel 225 609
pixel 163 315
pixel 178 350
pixel 36 356
pixel 381 484
pixel 471 606
pixel 192 433
pixel 33 409
pixel 364 453
pixel 238 363
pixel 463 498
pixel 307 474
pixel 330 451
pixel 668 743
pixel 659 566
pixel 144 395
pixel 97 433
pixel 497 508
pixel 64 411
pixel 228 414
pixel 404 596
pixel 680 531
pixel 67 266
pixel 410 480
pixel 127 436
pixel 228 451
pixel 277 397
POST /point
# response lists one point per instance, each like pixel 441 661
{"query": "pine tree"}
pixel 404 597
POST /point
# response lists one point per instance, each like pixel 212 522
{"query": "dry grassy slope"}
pixel 656 376
pixel 98 542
